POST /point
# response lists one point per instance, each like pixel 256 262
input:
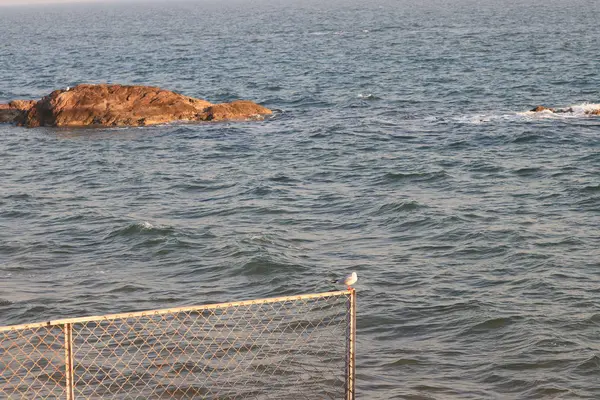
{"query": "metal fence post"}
pixel 351 354
pixel 68 328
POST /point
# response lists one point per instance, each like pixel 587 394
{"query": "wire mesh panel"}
pixel 284 348
pixel 32 363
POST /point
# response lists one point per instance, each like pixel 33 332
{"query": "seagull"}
pixel 349 280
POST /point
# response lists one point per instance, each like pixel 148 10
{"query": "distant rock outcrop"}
pixel 541 108
pixel 119 105
pixel 595 111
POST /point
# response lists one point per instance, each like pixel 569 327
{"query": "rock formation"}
pixel 14 110
pixel 119 105
pixel 541 108
pixel 564 110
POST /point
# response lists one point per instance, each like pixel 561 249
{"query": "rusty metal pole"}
pixel 68 328
pixel 351 354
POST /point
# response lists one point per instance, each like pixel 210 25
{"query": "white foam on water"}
pixel 146 225
pixel 477 119
pixel 585 108
pixel 574 111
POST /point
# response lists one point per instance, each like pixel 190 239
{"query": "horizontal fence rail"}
pixel 295 347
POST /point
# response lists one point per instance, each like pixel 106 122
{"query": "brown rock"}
pixel 118 105
pixel 541 108
pixel 14 111
pixel 22 105
pixel 9 115
pixel 236 110
pixel 593 112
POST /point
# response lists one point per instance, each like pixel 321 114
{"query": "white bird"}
pixel 349 280
pixel 68 88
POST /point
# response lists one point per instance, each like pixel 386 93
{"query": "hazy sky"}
pixel 12 2
pixel 24 2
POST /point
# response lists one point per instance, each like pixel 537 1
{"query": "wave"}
pixel 591 188
pixel 5 302
pixel 590 366
pixel 368 96
pixel 267 266
pixel 397 207
pixel 492 324
pixel 140 228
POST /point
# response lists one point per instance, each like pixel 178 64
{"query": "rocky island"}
pixel 121 105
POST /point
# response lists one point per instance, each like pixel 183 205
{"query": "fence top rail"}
pixel 164 311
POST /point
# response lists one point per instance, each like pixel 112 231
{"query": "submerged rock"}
pixel 119 105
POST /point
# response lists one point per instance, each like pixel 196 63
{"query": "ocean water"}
pixel 401 148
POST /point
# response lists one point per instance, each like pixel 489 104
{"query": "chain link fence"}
pixel 297 347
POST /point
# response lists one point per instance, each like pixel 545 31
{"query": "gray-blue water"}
pixel 402 150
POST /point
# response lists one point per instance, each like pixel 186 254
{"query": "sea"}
pixel 402 147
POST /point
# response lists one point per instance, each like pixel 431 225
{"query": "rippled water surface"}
pixel 401 149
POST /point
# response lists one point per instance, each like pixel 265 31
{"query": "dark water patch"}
pixel 551 364
pixel 563 242
pixel 162 244
pixel 550 391
pixel 260 266
pixel 282 179
pixel 591 204
pixel 397 207
pixel 20 197
pixel 528 138
pixel 17 214
pixel 593 157
pixel 5 302
pixel 127 289
pixel 484 166
pixel 403 362
pixel 548 196
pixel 590 366
pixel 595 319
pixel 527 172
pixel 475 252
pixel 492 325
pixel 591 322
pixel 591 189
pixel 394 177
pixel 203 186
pixel 555 345
pixel 432 248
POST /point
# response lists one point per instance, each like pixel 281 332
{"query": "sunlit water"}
pixel 401 148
